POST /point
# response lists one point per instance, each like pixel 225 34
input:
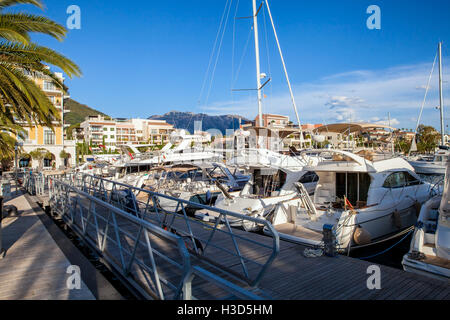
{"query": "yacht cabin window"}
pixel 400 180
pixel 309 177
pixel 266 183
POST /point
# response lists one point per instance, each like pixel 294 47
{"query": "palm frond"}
pixel 25 23
pixel 34 52
pixel 10 3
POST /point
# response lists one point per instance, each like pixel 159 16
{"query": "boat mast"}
pixel 286 74
pixel 258 71
pixel 441 100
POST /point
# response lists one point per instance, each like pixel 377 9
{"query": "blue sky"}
pixel 150 57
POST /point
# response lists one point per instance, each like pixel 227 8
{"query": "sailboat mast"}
pixel 258 71
pixel 286 74
pixel 441 100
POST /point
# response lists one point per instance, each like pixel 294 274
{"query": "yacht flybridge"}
pixel 430 245
pixel 364 201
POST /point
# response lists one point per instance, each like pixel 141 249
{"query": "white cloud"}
pixel 392 122
pixel 361 95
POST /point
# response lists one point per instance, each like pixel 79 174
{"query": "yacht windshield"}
pixel 266 183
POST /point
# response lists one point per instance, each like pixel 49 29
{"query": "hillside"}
pixel 78 112
pixel 185 120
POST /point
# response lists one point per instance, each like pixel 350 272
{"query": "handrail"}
pixel 80 209
pixel 116 235
pixel 206 240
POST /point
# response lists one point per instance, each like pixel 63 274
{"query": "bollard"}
pixel 329 239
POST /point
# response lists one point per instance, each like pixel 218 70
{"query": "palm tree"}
pixel 8 129
pixel 21 99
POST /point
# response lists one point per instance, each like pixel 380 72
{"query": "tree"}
pixel 427 139
pixel 6 150
pixel 403 146
pixel 21 99
pixel 70 129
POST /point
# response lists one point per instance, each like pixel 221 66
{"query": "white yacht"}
pixel 434 166
pixel 362 200
pixel 196 183
pixel 181 148
pixel 429 253
pixel 272 183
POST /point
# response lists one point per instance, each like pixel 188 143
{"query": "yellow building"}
pixel 38 136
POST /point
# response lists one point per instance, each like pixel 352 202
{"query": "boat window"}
pixel 395 180
pixel 364 185
pixel 265 184
pixel 410 180
pixel 355 186
pixel 309 177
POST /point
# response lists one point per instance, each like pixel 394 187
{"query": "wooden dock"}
pixel 292 276
pixel 35 264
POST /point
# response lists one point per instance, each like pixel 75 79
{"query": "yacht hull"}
pixel 426 269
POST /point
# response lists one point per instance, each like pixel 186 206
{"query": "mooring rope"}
pixel 386 250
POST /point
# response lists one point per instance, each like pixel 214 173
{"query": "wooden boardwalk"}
pixel 35 265
pixel 293 276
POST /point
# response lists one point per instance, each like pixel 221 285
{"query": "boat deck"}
pixel 298 231
pixel 437 261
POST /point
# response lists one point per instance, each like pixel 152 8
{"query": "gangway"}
pixel 164 254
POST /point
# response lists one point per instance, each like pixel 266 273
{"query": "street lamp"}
pixel 16 149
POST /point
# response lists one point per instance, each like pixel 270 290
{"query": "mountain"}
pixel 78 112
pixel 185 120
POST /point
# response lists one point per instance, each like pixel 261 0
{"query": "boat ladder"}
pixel 306 200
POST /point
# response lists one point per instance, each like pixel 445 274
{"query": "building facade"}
pixel 159 131
pixel 42 137
pixel 100 131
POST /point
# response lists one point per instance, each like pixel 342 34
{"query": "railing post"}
pixel 187 286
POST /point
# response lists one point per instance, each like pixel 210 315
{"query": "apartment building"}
pixel 159 131
pixel 273 120
pixel 37 136
pixel 113 133
pixel 282 125
pixel 126 132
pixel 100 132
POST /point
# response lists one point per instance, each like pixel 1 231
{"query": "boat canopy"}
pixel 273 132
pixel 351 127
pixel 344 161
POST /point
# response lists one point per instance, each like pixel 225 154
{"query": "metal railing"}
pixel 217 246
pixel 35 184
pixel 153 260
